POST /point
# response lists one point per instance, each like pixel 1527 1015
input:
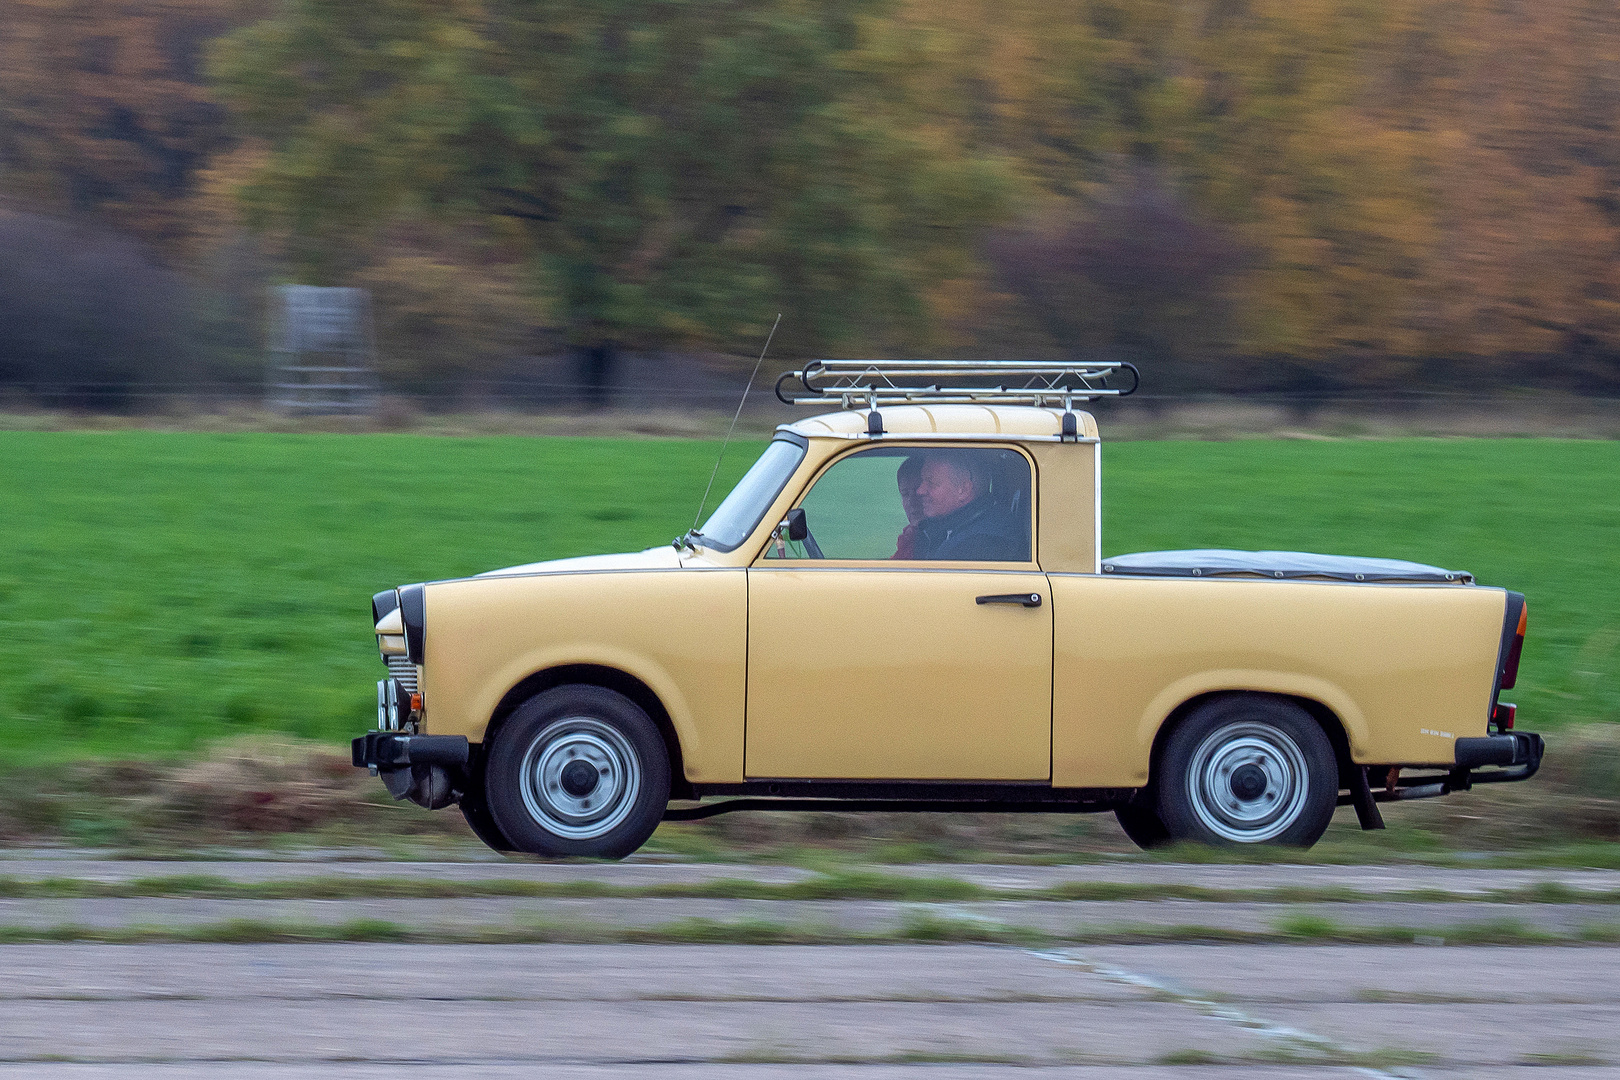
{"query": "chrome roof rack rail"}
pixel 869 384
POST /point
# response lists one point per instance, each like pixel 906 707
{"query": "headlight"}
pixel 391 635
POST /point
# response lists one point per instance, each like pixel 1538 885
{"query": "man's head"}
pixel 948 483
pixel 908 476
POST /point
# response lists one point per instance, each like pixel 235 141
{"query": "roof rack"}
pixel 872 383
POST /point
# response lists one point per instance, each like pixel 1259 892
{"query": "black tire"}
pixel 1248 769
pixel 578 770
pixel 475 808
pixel 1141 823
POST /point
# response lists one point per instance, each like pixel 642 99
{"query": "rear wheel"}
pixel 1248 769
pixel 578 770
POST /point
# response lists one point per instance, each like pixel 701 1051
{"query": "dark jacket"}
pixel 977 531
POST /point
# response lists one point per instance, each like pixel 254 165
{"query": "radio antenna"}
pixel 716 470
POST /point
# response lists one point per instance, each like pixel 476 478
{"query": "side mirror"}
pixel 794 526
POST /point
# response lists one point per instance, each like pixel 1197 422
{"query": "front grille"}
pixel 402 669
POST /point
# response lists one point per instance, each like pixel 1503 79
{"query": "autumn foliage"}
pixel 1239 194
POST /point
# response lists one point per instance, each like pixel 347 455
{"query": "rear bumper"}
pixel 396 749
pixel 1513 748
pixel 1489 759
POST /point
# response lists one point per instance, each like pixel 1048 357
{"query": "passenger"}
pixel 960 520
pixel 907 477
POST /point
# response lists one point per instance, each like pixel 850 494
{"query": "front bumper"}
pixel 397 750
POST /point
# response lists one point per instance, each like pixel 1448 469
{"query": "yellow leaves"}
pixel 1405 177
pixel 103 106
pixel 438 317
pixel 214 210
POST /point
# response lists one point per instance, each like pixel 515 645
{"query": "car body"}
pixel 1042 677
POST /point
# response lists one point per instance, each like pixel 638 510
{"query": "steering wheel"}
pixel 811 548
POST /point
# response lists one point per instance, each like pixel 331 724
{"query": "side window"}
pixel 915 503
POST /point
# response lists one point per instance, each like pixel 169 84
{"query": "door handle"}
pixel 1027 599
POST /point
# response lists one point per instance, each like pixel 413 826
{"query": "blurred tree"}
pixel 1520 108
pixel 1252 192
pixel 1420 187
pixel 91 318
pixel 104 107
pixel 1237 120
pixel 438 319
pixel 1138 277
pixel 677 168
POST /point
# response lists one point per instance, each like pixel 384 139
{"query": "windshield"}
pixel 735 518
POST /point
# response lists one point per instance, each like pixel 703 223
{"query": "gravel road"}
pixel 864 1012
pixel 1173 1011
pixel 632 874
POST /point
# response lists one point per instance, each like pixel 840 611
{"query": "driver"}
pixel 959 519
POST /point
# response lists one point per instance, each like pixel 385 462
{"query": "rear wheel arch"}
pixel 1333 727
pixel 608 678
pixel 1329 720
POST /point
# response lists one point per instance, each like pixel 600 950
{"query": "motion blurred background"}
pixel 1352 197
pixel 1346 221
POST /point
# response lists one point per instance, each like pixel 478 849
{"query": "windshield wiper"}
pixel 686 540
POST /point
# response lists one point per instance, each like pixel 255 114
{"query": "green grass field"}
pixel 161 590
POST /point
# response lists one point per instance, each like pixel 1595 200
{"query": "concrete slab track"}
pixel 1158 1012
pixel 357 1011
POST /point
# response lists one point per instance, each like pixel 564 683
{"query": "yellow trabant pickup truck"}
pixel 903 605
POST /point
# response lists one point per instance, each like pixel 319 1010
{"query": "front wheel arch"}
pixel 609 679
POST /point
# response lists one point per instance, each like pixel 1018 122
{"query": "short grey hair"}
pixel 970 463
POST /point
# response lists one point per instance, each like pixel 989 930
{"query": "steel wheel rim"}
pixel 550 772
pixel 1225 770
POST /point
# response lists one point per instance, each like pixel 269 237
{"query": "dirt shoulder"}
pixel 261 794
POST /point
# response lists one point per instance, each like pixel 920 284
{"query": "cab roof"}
pixel 1013 421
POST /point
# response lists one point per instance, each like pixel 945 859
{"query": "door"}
pixel 909 635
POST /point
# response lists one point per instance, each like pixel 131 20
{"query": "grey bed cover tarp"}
pixel 1217 562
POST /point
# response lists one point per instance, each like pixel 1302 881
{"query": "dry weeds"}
pixel 256 789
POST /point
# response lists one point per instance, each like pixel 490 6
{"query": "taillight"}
pixel 1510 663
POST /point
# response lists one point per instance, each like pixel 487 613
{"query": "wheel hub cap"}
pixel 1247 782
pixel 580 778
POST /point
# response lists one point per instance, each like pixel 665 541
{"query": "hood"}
pixel 662 557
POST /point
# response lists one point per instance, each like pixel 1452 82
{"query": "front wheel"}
pixel 1141 823
pixel 475 808
pixel 1248 769
pixel 578 770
